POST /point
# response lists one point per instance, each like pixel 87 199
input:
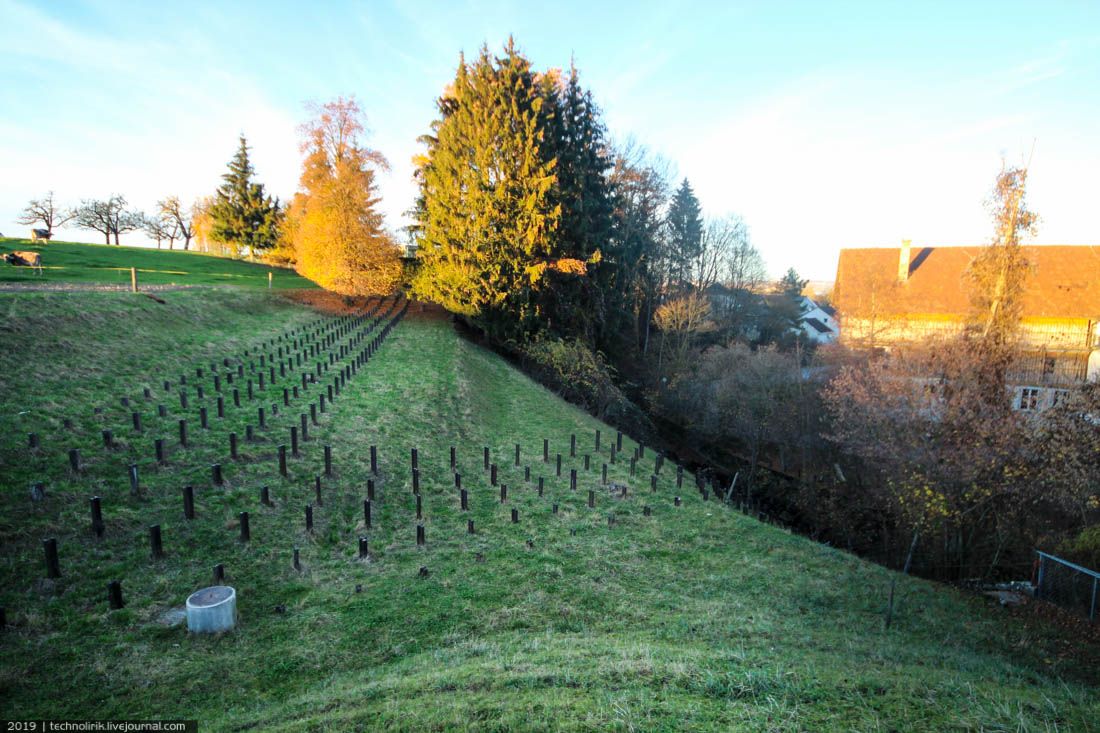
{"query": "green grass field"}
pixel 100 264
pixel 692 618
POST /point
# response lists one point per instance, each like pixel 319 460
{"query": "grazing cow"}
pixel 40 234
pixel 25 259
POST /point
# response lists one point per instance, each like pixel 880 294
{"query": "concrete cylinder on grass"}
pixel 212 610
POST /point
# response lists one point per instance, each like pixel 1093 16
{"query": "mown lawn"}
pixel 100 264
pixel 691 618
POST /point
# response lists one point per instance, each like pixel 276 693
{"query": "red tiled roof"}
pixel 1064 282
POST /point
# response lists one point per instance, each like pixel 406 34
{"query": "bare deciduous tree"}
pixel 44 211
pixel 108 217
pixel 181 218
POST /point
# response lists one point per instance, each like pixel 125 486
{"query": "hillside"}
pixel 106 265
pixel 692 617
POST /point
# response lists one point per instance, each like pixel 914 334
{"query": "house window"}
pixel 1029 398
pixel 1058 396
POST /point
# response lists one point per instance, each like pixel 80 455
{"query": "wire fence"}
pixel 1068 585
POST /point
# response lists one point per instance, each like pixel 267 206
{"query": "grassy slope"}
pixel 693 618
pixel 101 264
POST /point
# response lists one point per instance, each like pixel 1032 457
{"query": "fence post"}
pixel 1039 580
pixel 133 280
pixel 1092 608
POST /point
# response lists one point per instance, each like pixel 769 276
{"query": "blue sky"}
pixel 823 124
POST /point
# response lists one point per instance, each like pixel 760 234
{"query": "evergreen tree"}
pixel 685 232
pixel 243 215
pixel 572 303
pixel 485 216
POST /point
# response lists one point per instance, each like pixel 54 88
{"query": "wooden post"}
pixel 97 516
pixel 246 530
pixel 619 440
pixel 416 481
pixel 597 441
pixel 156 549
pixel 540 485
pixel 414 457
pixel 517 454
pixel 74 460
pixel 135 489
pixel 464 498
pixel 203 422
pixel 294 441
pixel 557 468
pixel 605 473
pixel 485 456
pixel 233 446
pixel 282 460
pixel 32 441
pixel 328 461
pixel 676 501
pixel 317 491
pixel 453 457
pixel 591 499
pixel 370 489
pixel 219 574
pixel 108 439
pixel 53 565
pixel 114 588
pixel 419 507
pixel 527 473
pixel 573 445
pixel 216 474
pixel 587 462
pixel 503 493
pixel 493 474
pixel 297 561
pixel 653 482
pixel 366 513
pixel 469 526
pixel 515 516
pixel 364 548
pixel 309 517
pixel 133 280
pixel 420 534
pixel 646 511
pixel 265 496
pixel 188 502
pixel 573 479
pixel 545 450
pixel 262 418
pixel 135 417
pixel 304 426
pixel 374 460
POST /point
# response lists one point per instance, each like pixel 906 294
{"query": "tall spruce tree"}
pixel 685 232
pixel 243 216
pixel 485 215
pixel 572 301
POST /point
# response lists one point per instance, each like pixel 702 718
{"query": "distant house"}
pixel 818 321
pixel 889 297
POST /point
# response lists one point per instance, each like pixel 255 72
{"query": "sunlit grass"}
pixel 692 618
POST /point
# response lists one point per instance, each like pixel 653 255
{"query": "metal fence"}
pixel 1068 585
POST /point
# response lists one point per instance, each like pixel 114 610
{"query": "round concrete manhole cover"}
pixel 210 596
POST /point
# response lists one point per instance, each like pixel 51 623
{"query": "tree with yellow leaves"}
pixel 333 224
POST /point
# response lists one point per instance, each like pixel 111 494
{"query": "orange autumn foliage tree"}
pixel 333 225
